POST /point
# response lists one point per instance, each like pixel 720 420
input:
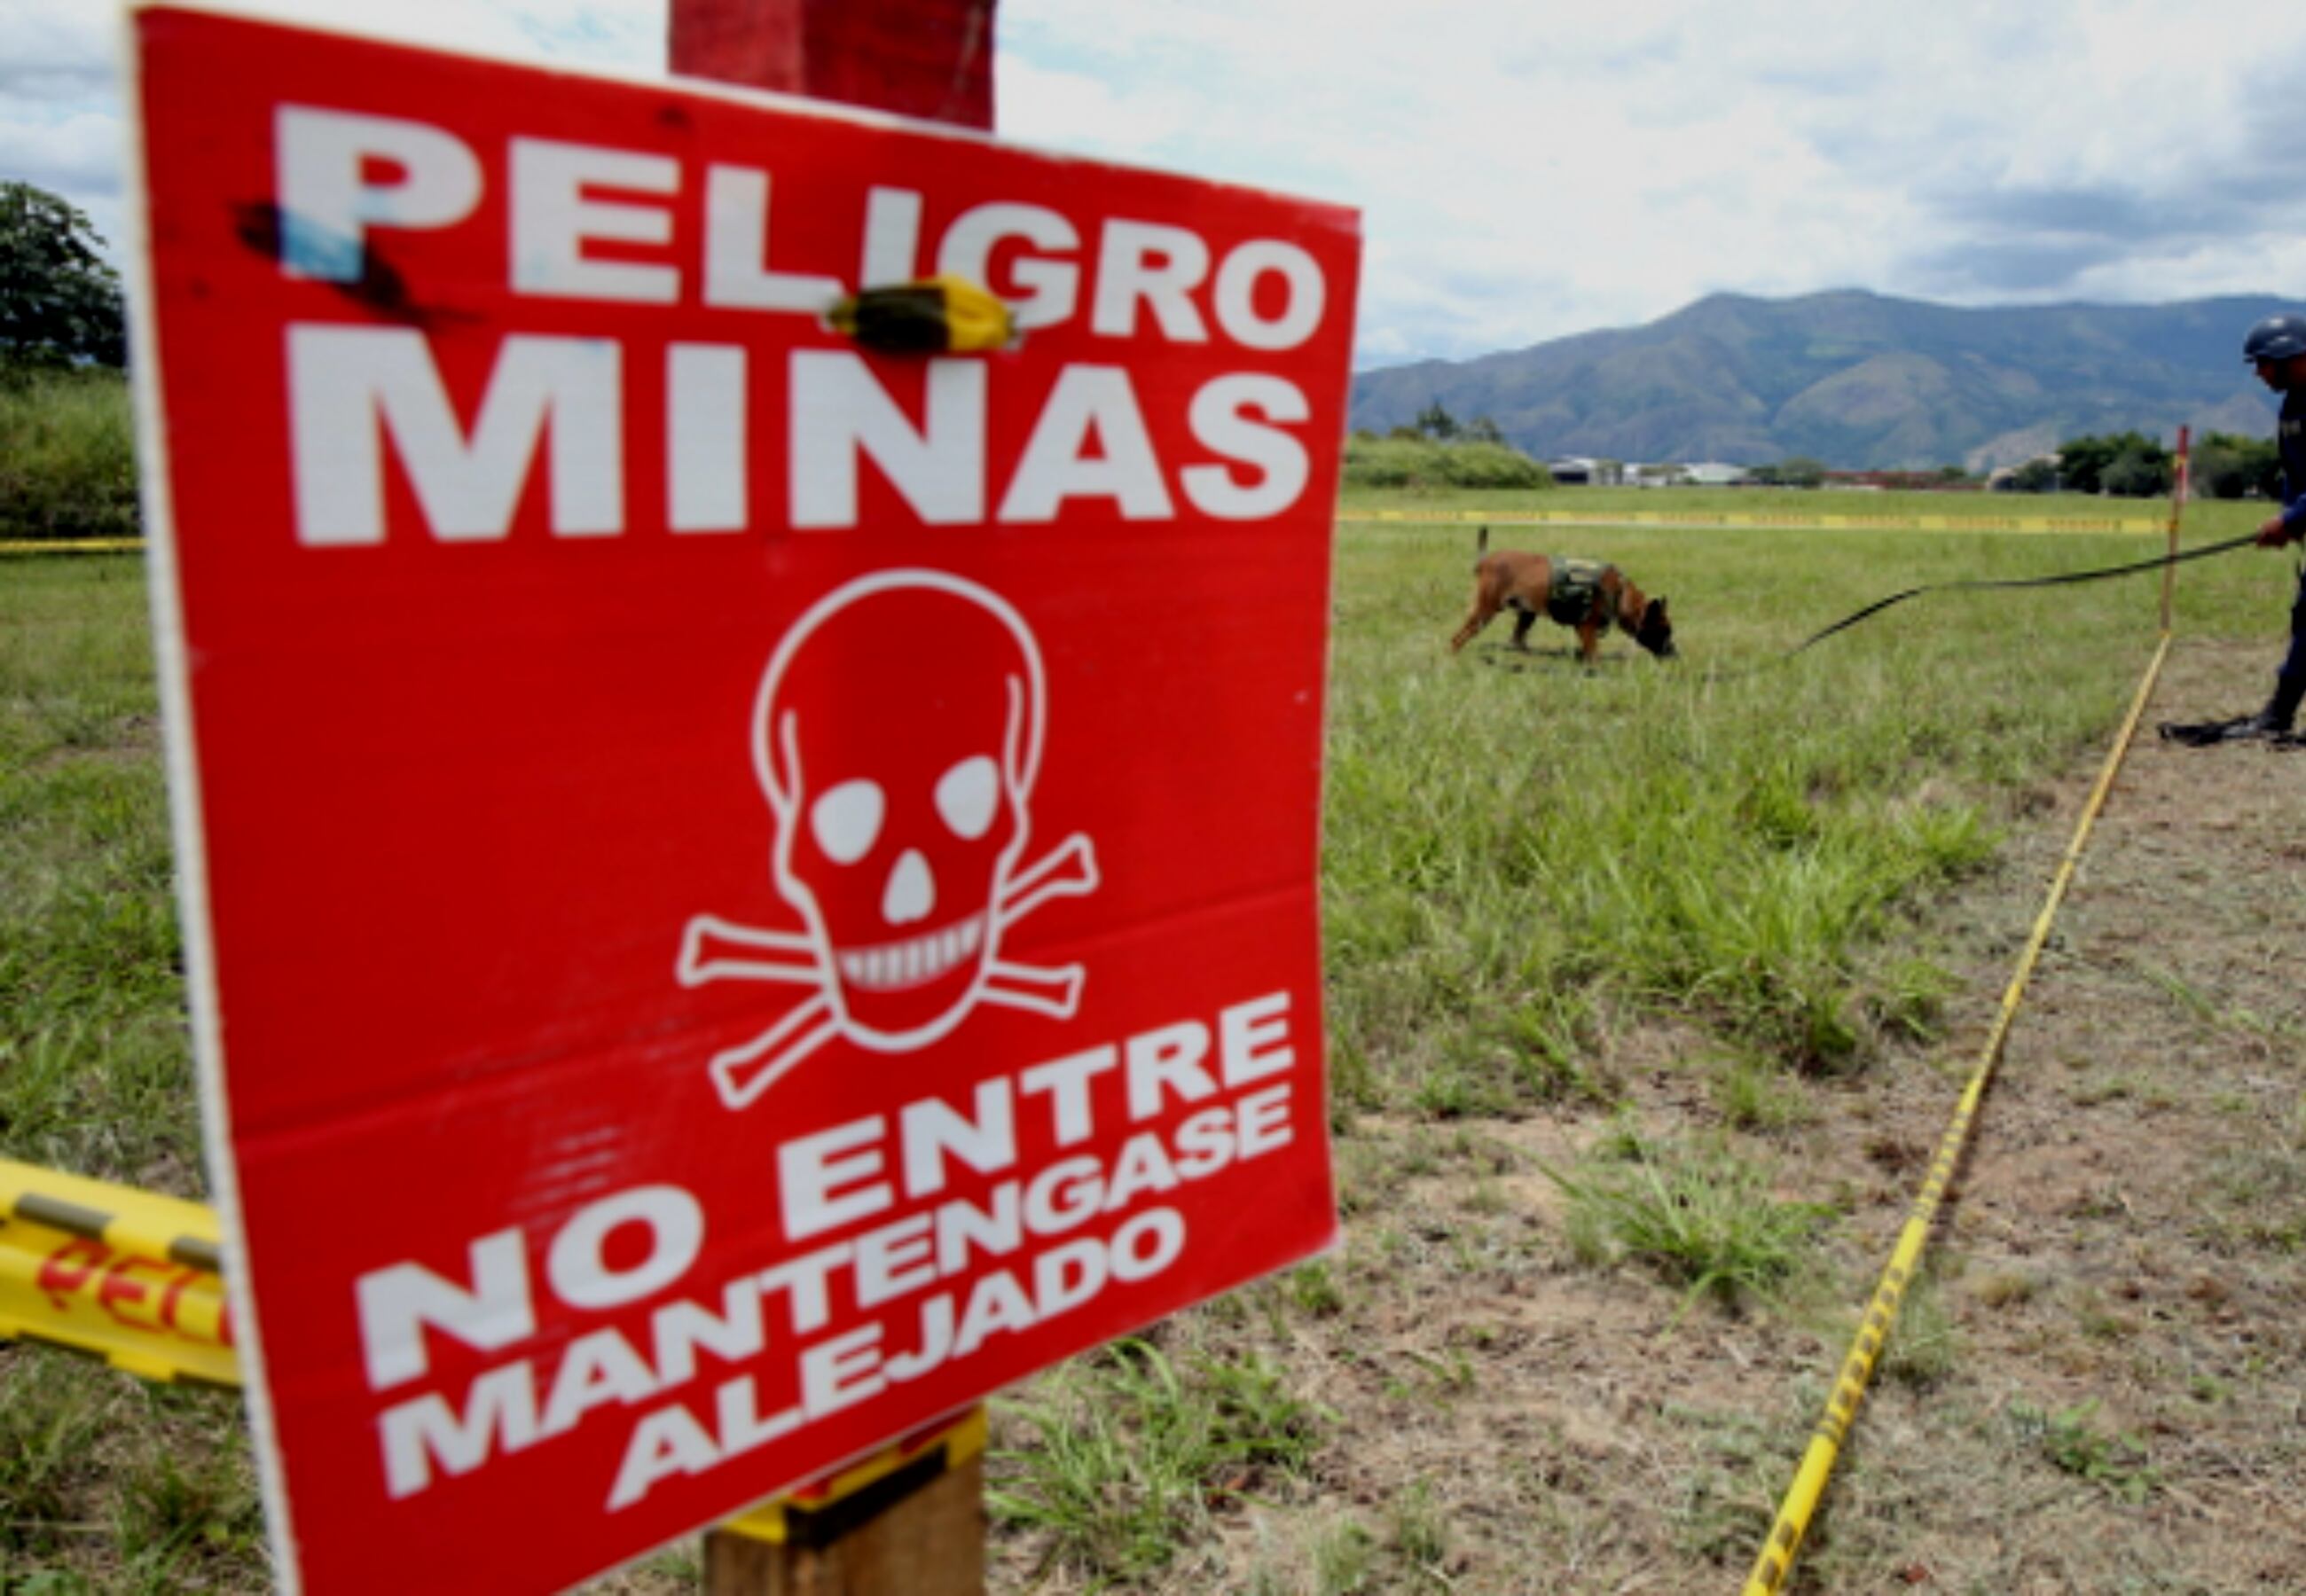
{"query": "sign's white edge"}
pixel 179 744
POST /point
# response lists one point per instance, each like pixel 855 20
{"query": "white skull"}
pixel 897 734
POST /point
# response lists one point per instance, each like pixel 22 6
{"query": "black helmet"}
pixel 2276 337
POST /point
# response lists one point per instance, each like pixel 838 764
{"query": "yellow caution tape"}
pixel 941 315
pixel 131 1276
pixel 135 1279
pixel 72 546
pixel 1752 518
pixel 921 1458
pixel 1776 1561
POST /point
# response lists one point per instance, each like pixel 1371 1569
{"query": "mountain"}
pixel 1856 380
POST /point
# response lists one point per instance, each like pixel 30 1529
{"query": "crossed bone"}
pixel 712 949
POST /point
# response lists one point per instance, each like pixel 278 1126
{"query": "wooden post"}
pixel 918 1529
pixel 2177 509
pixel 910 1522
pixel 927 58
pixel 927 1540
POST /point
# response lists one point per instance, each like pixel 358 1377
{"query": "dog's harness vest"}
pixel 1576 590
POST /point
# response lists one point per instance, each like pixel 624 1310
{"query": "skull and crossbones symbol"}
pixel 902 796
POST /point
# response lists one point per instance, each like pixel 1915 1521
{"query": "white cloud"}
pixel 1528 171
pixel 1037 104
pixel 44 38
pixel 60 112
pixel 77 152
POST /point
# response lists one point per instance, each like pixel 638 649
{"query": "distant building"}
pixel 1579 470
pixel 1902 481
pixel 1669 474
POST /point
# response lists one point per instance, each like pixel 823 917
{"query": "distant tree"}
pixel 2037 477
pixel 1407 434
pixel 2082 460
pixel 2139 472
pixel 60 304
pixel 1483 430
pixel 1419 463
pixel 2086 462
pixel 2142 469
pixel 1953 473
pixel 1799 471
pixel 2229 466
pixel 2126 464
pixel 1436 421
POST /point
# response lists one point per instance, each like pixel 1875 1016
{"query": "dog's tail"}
pixel 1481 543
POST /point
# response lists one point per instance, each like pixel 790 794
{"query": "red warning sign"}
pixel 746 889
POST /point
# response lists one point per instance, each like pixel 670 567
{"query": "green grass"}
pixel 1704 1220
pixel 1526 865
pixel 2073 1440
pixel 94 1069
pixel 1343 1557
pixel 1131 1455
pixel 1752 1094
pixel 1420 1532
pixel 1925 1344
pixel 1735 838
pixel 67 459
pixel 107 1485
pixel 1796 503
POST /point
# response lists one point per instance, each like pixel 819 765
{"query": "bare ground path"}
pixel 2099 1386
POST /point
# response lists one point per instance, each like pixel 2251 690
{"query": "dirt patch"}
pixel 2098 1387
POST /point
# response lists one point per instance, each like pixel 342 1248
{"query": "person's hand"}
pixel 2273 532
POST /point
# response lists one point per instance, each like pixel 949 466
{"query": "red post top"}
pixel 927 58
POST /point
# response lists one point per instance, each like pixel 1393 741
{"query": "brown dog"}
pixel 1582 594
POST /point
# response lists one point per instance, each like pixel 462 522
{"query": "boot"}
pixel 2201 734
pixel 2280 713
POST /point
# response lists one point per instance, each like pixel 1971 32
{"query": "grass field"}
pixel 1728 837
pixel 1537 879
pixel 67 457
pixel 1797 506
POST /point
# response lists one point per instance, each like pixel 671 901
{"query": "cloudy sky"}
pixel 1526 171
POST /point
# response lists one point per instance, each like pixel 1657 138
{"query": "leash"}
pixel 2159 562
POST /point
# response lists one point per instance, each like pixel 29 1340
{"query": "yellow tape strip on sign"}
pixel 128 1275
pixel 135 1279
pixel 811 1515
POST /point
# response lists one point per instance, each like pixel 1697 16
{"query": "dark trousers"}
pixel 2289 681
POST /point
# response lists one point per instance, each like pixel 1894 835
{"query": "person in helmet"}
pixel 2277 347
